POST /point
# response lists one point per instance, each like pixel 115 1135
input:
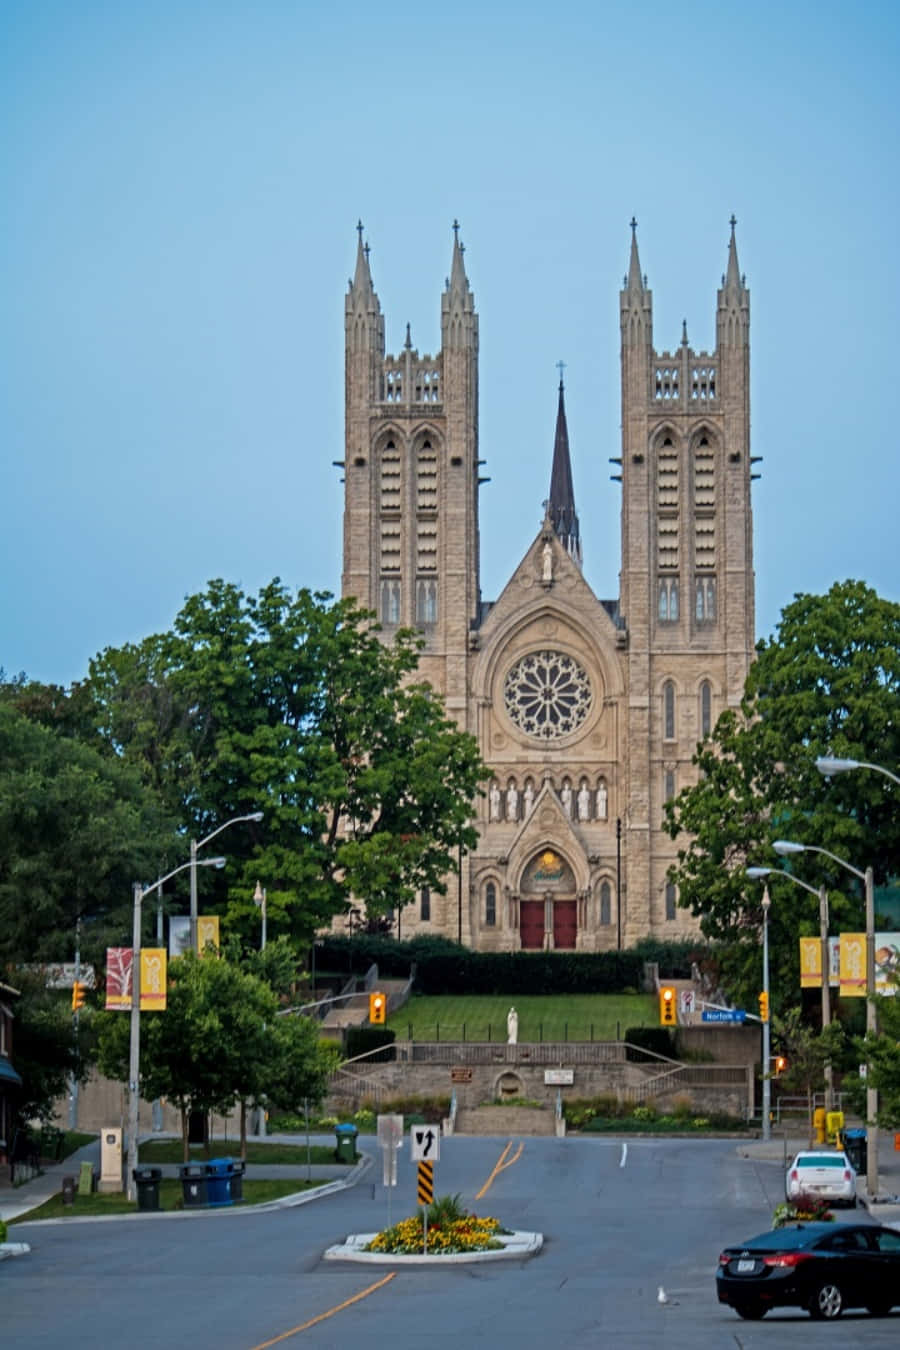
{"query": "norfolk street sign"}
pixel 723 1015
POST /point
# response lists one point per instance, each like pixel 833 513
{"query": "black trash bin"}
pixel 237 1180
pixel 856 1147
pixel 147 1180
pixel 218 1182
pixel 193 1185
pixel 346 1143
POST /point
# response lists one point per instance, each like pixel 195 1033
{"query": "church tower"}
pixel 686 584
pixel 411 549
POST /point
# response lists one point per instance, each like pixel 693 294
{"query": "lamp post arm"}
pixel 235 820
pixel 841 862
pixel 878 769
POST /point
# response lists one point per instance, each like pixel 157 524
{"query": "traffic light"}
pixel 764 1007
pixel 77 995
pixel 377 1007
pixel 780 1064
pixel 667 1011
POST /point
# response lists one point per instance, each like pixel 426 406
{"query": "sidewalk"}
pixel 18 1200
pixel 884 1208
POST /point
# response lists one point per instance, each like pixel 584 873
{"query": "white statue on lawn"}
pixel 512 1027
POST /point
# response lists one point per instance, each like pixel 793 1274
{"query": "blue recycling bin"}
pixel 856 1147
pixel 218 1182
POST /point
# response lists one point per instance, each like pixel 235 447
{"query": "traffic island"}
pixel 511 1246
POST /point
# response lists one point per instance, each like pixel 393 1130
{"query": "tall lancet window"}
pixel 391 534
pixel 427 516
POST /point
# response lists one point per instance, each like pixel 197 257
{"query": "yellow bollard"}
pixel 819 1124
pixel 834 1124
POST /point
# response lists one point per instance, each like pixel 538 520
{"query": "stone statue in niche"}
pixel 602 801
pixel 566 798
pixel 529 797
pixel 547 561
pixel 512 801
pixel 495 801
pixel 584 801
pixel 512 1027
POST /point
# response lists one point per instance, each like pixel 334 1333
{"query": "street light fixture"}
pixel 787 848
pixel 139 894
pixel 828 766
pixel 757 873
pixel 195 848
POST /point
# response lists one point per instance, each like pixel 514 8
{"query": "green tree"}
pixel 217 1042
pixel 827 683
pixel 292 704
pixel 47 1052
pixel 76 829
pixel 807 1052
pixel 881 1052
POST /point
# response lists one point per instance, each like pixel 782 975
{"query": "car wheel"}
pixel 827 1301
pixel 879 1309
pixel 751 1312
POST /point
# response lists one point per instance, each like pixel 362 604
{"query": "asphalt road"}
pixel 619 1220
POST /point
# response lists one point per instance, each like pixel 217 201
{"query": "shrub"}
pixel 2 1231
pixel 682 1108
pixel 646 1112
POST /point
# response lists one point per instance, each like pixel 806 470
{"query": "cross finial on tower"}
pixel 366 250
pixel 456 230
pixel 359 229
pixel 633 225
pixel 560 366
pixel 733 222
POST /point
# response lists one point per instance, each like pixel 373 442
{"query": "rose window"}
pixel 547 694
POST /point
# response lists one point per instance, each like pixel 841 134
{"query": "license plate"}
pixel 746 1267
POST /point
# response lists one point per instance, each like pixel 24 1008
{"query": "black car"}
pixel 822 1267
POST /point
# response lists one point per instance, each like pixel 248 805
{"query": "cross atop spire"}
pixel 560 366
pixel 733 273
pixel 634 281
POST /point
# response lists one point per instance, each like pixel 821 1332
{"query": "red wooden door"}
pixel 565 924
pixel 531 923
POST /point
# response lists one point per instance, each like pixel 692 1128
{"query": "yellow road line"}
pixel 501 1164
pixel 304 1326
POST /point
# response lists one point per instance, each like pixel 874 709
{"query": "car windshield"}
pixel 785 1239
pixel 820 1160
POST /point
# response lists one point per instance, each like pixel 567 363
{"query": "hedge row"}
pixel 444 967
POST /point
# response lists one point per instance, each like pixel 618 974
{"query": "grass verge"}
pixel 542 1017
pixel 170 1198
pixel 275 1155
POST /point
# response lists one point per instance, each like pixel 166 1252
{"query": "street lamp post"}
pixel 259 898
pixel 822 896
pixel 766 1039
pixel 139 894
pixel 828 766
pixel 786 847
pixel 195 848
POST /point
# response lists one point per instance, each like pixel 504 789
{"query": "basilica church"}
pixel 587 710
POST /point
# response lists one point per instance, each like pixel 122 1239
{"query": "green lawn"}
pixel 170 1198
pixel 542 1017
pixel 276 1155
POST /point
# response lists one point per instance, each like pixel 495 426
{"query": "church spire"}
pixel 459 324
pixel 361 285
pixel 561 504
pixel 459 282
pixel 634 281
pixel 732 280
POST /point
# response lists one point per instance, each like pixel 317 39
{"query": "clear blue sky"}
pixel 182 183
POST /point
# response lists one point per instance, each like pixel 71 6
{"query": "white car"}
pixel 826 1175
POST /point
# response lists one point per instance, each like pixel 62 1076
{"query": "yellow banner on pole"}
pixel 853 965
pixel 207 932
pixel 153 979
pixel 810 963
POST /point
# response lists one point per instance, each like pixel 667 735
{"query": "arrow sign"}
pixel 723 1015
pixel 426 1143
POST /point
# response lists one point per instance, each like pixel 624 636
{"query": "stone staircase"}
pixel 507 1120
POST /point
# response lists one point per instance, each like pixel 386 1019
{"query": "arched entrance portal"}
pixel 548 912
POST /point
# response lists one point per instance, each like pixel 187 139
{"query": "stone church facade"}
pixel 587 710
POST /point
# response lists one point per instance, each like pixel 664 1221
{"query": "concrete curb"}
pixel 284 1202
pixel 516 1246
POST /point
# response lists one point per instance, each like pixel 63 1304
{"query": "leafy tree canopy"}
pixel 293 705
pixel 76 828
pixel 828 683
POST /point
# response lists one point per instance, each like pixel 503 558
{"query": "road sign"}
pixel 425 1183
pixel 426 1143
pixel 687 1000
pixel 389 1131
pixel 723 1015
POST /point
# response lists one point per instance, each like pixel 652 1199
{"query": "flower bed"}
pixel 805 1209
pixel 450 1230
